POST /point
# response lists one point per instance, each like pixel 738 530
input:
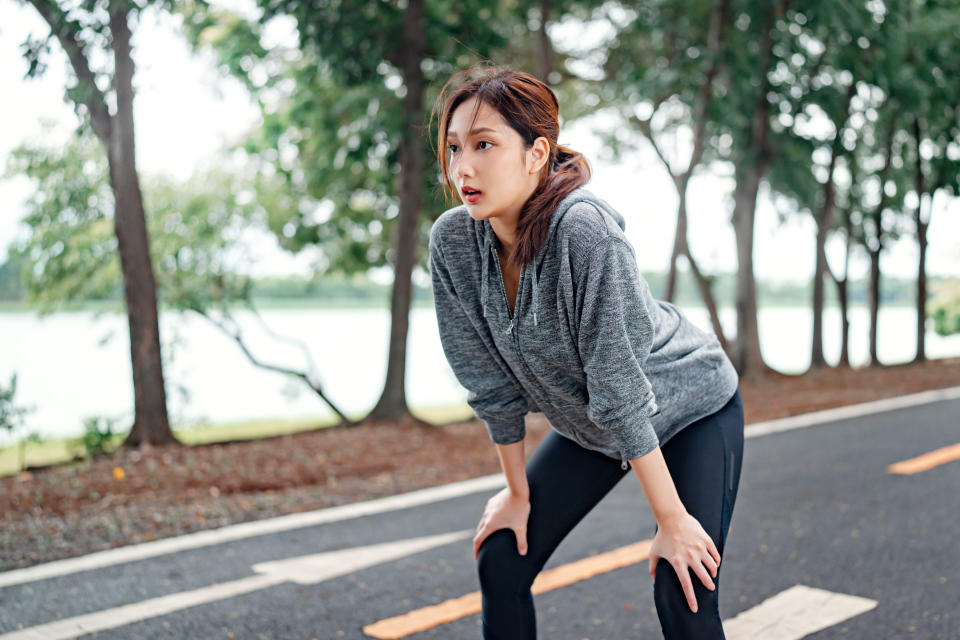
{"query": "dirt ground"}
pixel 134 496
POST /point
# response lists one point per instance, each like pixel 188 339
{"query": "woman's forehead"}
pixel 488 120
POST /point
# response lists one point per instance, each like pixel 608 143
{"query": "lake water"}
pixel 67 374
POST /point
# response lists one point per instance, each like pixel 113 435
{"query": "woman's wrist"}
pixel 670 521
pixel 658 486
pixel 520 494
pixel 513 463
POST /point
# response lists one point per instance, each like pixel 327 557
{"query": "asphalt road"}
pixel 826 541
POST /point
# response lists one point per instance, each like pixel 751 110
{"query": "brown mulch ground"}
pixel 72 510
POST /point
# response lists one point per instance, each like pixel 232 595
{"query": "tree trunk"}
pixel 116 133
pixel 670 287
pixel 874 252
pixel 746 355
pixel 392 403
pixel 874 301
pixel 817 360
pixel 703 284
pixel 824 226
pixel 922 246
pixel 681 247
pixel 843 294
pixel 921 290
pixel 545 50
pixel 150 424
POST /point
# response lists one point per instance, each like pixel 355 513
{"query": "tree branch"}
pixel 232 329
pixel 66 32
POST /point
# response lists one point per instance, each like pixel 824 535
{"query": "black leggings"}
pixel 566 481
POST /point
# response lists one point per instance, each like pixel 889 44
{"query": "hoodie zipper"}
pixel 516 308
pixel 516 312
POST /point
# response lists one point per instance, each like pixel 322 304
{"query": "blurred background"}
pixel 214 216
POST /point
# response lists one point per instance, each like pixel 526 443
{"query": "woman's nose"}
pixel 463 167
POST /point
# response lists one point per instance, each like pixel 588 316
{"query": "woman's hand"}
pixel 684 543
pixel 504 511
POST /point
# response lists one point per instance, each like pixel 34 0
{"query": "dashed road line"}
pixel 471 603
pixel 926 461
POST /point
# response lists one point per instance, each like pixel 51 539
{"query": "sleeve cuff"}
pixel 635 437
pixel 506 430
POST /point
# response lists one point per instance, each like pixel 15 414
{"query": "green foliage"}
pixel 71 251
pixel 944 308
pixel 98 434
pixel 333 108
pixel 12 418
pixel 10 286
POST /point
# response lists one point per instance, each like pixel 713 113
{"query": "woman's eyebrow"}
pixel 453 134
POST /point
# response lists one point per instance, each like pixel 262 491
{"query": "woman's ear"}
pixel 538 155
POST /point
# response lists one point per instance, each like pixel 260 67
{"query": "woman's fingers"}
pixel 711 564
pixel 478 539
pixel 714 552
pixel 521 533
pixel 701 571
pixel 687 585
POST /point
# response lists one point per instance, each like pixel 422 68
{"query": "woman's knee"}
pixel 673 610
pixel 500 566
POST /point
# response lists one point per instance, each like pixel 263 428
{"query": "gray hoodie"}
pixel 610 367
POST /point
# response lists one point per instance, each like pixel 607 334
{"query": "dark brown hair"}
pixel 531 108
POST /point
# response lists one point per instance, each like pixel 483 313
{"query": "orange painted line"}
pixel 927 461
pixel 456 608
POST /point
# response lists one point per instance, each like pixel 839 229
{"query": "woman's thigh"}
pixel 704 461
pixel 566 481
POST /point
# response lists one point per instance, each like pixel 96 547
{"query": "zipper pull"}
pixel 624 464
pixel 510 328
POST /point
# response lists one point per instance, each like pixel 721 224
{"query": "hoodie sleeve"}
pixel 493 392
pixel 614 337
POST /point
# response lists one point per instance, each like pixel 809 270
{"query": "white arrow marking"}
pixel 309 569
pixel 795 613
pixel 323 566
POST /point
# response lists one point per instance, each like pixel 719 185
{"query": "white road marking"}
pixel 795 613
pixel 850 411
pixel 252 529
pixel 309 569
pixel 243 530
pixel 324 566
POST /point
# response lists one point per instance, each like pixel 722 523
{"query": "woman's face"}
pixel 491 158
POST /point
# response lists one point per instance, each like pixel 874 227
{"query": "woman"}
pixel 558 319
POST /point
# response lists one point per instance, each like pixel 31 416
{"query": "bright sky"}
pixel 184 112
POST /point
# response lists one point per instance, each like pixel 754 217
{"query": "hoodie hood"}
pixel 532 270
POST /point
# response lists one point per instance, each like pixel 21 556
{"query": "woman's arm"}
pixel 510 508
pixel 680 539
pixel 662 495
pixel 514 466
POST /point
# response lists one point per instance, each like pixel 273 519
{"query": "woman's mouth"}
pixel 471 195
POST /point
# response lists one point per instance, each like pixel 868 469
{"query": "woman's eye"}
pixel 483 142
pixel 452 148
